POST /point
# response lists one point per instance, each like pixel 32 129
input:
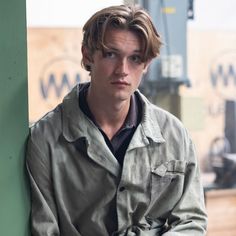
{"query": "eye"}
pixel 136 59
pixel 109 54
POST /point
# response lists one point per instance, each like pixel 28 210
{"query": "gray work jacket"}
pixel 79 189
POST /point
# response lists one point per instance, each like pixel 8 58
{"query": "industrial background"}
pixel 194 78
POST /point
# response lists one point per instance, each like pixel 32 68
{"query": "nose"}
pixel 122 67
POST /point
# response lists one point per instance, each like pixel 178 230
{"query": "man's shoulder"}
pixel 158 114
pixel 51 122
pixel 164 116
pixel 156 118
pixel 47 126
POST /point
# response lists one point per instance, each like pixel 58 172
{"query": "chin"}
pixel 123 98
pixel 121 95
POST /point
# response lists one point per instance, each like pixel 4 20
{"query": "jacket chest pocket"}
pixel 167 182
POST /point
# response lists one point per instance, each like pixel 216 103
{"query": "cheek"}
pixel 138 75
pixel 104 68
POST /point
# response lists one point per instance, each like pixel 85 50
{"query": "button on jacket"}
pixel 78 187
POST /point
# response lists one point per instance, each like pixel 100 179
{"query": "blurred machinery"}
pixel 169 70
pixel 223 151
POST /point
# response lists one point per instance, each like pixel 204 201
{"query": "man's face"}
pixel 116 72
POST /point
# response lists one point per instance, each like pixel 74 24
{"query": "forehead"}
pixel 122 39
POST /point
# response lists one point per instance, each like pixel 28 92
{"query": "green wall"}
pixel 14 200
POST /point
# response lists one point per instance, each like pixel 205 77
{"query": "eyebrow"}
pixel 117 50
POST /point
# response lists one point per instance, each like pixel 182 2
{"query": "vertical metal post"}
pixel 14 201
pixel 170 17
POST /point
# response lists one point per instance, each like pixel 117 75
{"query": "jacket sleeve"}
pixel 189 214
pixel 43 208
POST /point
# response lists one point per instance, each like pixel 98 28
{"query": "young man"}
pixel 106 161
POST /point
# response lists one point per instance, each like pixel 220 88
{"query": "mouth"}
pixel 120 82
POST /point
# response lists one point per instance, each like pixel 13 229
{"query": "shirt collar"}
pixel 132 118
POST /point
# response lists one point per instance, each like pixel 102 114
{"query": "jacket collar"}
pixel 74 122
pixel 76 125
pixel 151 120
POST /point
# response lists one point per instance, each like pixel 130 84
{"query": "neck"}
pixel 109 115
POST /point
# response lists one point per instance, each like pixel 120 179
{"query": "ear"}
pixel 86 56
pixel 146 65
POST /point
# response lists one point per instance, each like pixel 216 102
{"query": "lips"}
pixel 119 82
